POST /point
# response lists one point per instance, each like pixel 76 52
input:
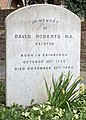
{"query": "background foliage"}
pixel 76 6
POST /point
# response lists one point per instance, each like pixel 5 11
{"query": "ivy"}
pixel 76 6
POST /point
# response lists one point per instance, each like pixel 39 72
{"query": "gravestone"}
pixel 41 41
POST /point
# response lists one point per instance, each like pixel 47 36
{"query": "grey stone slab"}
pixel 2 72
pixel 41 41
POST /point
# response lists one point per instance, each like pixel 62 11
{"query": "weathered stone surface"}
pixel 41 41
pixel 2 70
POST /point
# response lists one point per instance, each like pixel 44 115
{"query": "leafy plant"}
pixel 44 112
pixel 76 6
pixel 11 113
pixel 2 93
pixel 64 93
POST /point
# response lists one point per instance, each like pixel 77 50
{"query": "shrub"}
pixel 64 93
pixel 76 6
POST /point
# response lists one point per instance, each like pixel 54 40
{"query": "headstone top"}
pixel 47 6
